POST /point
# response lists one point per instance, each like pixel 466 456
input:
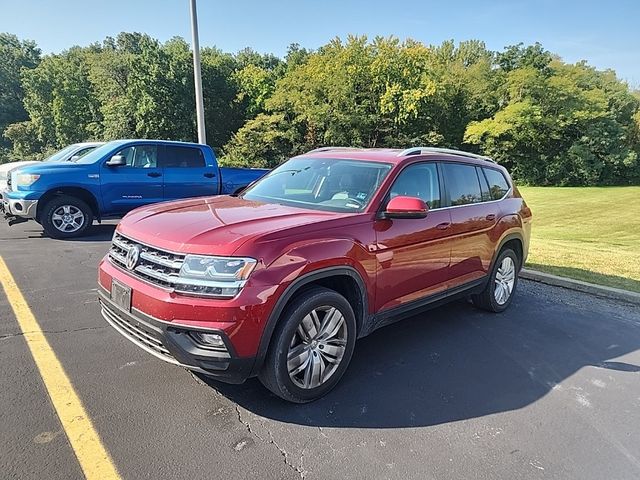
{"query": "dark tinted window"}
pixel 498 185
pixel 183 157
pixel 420 180
pixel 462 183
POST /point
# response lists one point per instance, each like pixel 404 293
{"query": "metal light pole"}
pixel 197 73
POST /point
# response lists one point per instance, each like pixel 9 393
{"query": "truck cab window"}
pixel 183 157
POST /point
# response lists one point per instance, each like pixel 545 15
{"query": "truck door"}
pixel 137 182
pixel 186 173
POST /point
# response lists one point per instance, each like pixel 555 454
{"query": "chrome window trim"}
pixel 436 161
pixel 476 203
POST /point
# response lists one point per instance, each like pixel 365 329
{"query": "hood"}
pixel 52 167
pixel 7 167
pixel 213 225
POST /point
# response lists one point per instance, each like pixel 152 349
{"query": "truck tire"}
pixel 311 347
pixel 65 216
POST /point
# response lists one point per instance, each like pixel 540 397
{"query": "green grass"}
pixel 586 233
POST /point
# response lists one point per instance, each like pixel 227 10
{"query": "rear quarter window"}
pixel 498 185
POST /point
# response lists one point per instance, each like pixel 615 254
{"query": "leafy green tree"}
pixel 161 90
pixel 60 99
pixel 571 125
pixel 383 93
pixel 264 142
pixel 15 55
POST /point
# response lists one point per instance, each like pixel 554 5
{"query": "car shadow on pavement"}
pixel 102 232
pixel 455 363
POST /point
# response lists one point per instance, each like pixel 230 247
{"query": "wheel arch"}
pixel 514 241
pixel 77 192
pixel 340 279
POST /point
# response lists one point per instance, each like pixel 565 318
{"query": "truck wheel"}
pixel 502 283
pixel 66 217
pixel 311 347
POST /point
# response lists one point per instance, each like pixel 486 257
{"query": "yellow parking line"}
pixel 91 454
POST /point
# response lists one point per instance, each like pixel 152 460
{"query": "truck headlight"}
pixel 26 179
pixel 214 276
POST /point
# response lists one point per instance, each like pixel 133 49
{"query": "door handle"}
pixel 491 217
pixel 443 226
pixel 209 175
pixel 154 174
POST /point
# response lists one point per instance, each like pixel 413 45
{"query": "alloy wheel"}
pixel 317 347
pixel 504 281
pixel 67 218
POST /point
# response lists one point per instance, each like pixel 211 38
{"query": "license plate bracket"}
pixel 121 295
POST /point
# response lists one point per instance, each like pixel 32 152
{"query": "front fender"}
pixel 306 262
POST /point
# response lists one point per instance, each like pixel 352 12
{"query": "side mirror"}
pixel 75 158
pixel 406 207
pixel 116 161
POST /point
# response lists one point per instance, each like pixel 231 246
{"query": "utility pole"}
pixel 197 74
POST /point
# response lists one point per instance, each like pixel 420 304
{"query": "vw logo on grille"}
pixel 133 255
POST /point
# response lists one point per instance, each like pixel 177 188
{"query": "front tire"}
pixel 311 347
pixel 502 283
pixel 65 216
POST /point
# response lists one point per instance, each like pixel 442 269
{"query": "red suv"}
pixel 279 281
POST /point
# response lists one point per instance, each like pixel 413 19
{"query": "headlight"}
pixel 26 179
pixel 214 276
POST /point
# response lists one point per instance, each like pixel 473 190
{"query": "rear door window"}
pixel 183 157
pixel 498 186
pixel 463 185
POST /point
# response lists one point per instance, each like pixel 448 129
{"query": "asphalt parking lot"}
pixel 549 389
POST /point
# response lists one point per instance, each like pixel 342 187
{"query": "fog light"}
pixel 208 339
pixel 18 207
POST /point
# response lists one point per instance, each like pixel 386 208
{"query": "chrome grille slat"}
pixel 155 266
pixel 162 260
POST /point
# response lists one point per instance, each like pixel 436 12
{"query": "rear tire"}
pixel 65 216
pixel 302 366
pixel 501 285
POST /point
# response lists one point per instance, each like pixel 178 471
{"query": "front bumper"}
pixel 18 207
pixel 173 344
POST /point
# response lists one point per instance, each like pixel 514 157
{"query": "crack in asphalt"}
pixel 68 330
pixel 272 441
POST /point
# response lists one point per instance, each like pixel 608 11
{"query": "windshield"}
pixel 60 154
pixel 333 185
pixel 96 154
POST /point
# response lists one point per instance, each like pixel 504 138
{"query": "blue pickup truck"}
pixel 114 178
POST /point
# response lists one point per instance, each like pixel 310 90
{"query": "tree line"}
pixel 549 122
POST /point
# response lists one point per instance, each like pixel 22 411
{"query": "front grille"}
pixel 137 334
pixel 154 266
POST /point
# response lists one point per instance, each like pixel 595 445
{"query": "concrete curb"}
pixel 599 290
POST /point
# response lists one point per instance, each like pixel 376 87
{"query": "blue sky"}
pixel 605 33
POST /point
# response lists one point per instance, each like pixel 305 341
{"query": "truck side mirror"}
pixel 116 161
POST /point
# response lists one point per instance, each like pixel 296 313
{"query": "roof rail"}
pixel 462 153
pixel 327 149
